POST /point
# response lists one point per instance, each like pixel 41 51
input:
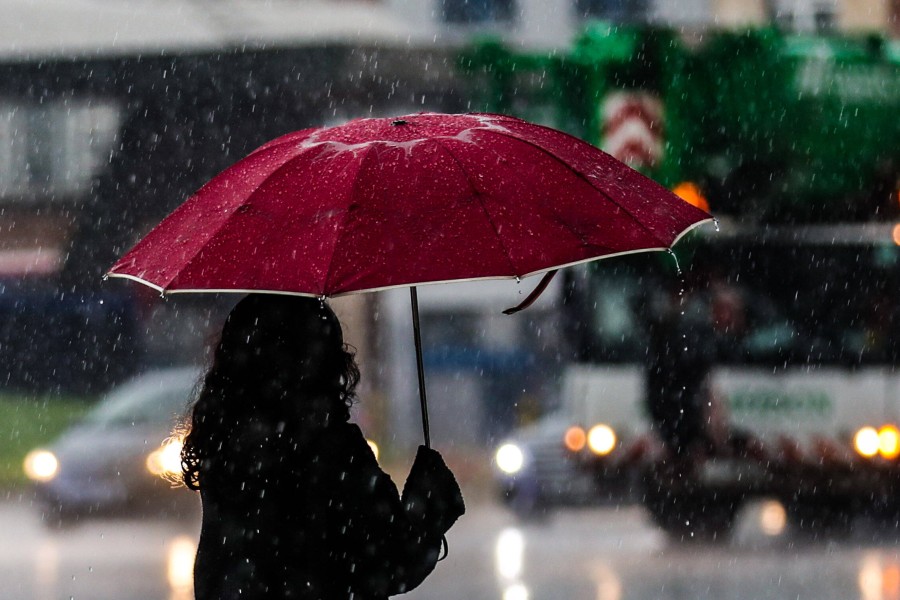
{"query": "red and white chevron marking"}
pixel 632 128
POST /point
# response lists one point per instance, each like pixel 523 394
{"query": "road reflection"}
pixel 509 563
pixel 609 586
pixel 509 552
pixel 612 554
pixel 180 568
pixel 46 570
pixel 617 556
pixel 879 577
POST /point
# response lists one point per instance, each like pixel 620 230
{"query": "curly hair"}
pixel 277 357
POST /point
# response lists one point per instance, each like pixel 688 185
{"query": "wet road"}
pixel 598 554
pixel 613 554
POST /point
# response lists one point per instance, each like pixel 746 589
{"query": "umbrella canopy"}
pixel 424 198
pixel 381 203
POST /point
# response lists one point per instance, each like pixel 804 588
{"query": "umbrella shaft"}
pixel 423 402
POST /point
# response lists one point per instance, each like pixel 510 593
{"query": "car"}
pixel 123 457
pixel 553 464
pixel 535 473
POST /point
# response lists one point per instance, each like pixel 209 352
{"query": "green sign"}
pixel 851 83
pixel 778 403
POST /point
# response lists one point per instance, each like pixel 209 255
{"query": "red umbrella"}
pixel 426 198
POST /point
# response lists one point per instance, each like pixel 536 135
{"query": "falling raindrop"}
pixel 675 258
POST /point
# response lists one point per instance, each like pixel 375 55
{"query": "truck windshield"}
pixel 768 300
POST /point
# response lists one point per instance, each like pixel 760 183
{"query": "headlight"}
pixel 374 448
pixel 509 458
pixel 870 442
pixel 866 441
pixel 889 441
pixel 773 518
pixel 41 465
pixel 575 438
pixel 165 461
pixel 601 439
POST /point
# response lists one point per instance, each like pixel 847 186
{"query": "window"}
pixel 617 11
pixel 476 11
pixel 775 305
pixel 823 19
pixel 796 15
pixel 54 149
pixel 13 150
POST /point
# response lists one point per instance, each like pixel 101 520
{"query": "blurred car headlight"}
pixel 509 459
pixel 601 439
pixel 575 438
pixel 41 465
pixel 773 518
pixel 866 441
pixel 889 441
pixel 165 461
pixel 374 448
pixel 870 442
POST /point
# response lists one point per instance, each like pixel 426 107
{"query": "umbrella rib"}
pixel 582 176
pixel 226 220
pixel 479 196
pixel 187 261
pixel 341 229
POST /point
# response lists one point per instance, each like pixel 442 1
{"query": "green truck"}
pixel 766 127
pixel 792 143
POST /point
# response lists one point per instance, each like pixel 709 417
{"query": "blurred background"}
pixel 778 116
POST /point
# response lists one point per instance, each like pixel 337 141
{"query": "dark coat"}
pixel 318 519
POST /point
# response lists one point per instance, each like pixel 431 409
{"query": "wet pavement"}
pixel 136 558
pixel 596 554
pixel 615 554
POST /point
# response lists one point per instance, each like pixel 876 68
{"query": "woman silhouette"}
pixel 294 503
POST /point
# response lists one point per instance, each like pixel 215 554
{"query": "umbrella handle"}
pixel 423 402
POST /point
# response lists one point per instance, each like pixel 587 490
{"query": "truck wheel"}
pixel 692 516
